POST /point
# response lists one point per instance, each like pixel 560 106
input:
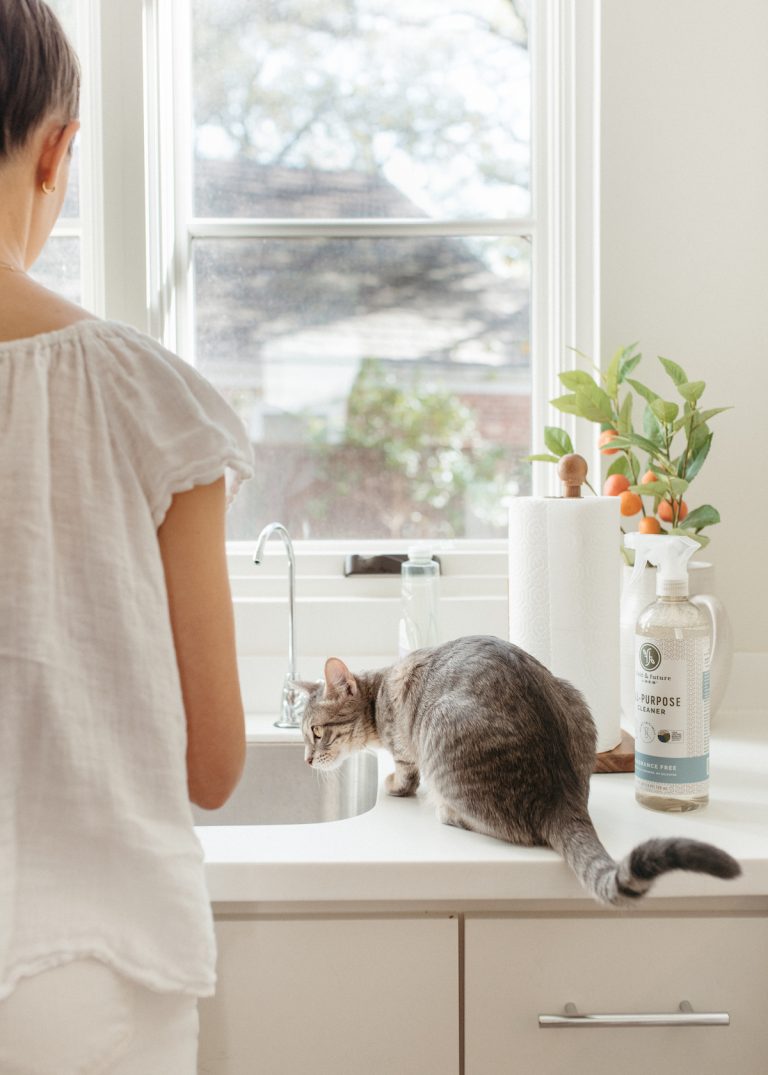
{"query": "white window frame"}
pixel 137 269
pixel 140 263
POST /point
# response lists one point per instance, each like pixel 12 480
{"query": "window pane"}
pixel 67 13
pixel 66 10
pixel 361 108
pixel 58 267
pixel 385 382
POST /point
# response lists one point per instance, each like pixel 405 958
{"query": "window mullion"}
pixel 120 159
pixel 353 228
pixel 565 294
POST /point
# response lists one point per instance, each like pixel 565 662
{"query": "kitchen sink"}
pixel 279 788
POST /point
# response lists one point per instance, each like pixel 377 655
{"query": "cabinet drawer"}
pixel 517 969
pixel 330 996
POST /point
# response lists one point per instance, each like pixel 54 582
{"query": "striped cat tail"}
pixel 618 884
pixel 637 872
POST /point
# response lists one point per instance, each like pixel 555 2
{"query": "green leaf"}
pixel 706 515
pixel 629 359
pixel 692 390
pixel 620 465
pixel 541 458
pixel 652 427
pixel 665 412
pixel 704 416
pixel 684 421
pixel 557 440
pixel 642 390
pixel 594 404
pixel 622 363
pixel 567 404
pixel 675 486
pixel 677 373
pixel 682 531
pixel 630 440
pixel 574 379
pixel 698 457
pixel 697 438
pixel 611 376
pixel 624 424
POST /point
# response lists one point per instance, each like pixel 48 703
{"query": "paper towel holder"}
pixel 572 472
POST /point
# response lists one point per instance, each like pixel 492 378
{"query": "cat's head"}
pixel 336 720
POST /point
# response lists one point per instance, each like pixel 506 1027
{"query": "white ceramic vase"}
pixel 638 595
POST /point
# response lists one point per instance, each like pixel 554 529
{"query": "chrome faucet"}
pixel 294 698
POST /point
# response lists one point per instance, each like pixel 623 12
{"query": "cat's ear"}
pixel 338 678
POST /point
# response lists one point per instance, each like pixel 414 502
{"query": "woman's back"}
pixel 99 429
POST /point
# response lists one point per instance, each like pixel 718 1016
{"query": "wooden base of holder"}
pixel 619 760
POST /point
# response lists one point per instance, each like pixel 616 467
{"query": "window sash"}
pixel 141 226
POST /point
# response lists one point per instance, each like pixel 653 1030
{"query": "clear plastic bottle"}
pixel 420 576
pixel 672 658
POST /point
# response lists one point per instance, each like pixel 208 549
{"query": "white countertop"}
pixel 399 852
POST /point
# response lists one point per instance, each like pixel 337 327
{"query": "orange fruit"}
pixel 630 503
pixel 606 436
pixel 649 476
pixel 649 524
pixel 615 484
pixel 665 511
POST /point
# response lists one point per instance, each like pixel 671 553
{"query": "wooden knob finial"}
pixel 572 471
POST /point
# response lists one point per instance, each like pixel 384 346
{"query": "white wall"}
pixel 685 246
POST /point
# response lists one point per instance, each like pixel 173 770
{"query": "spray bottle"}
pixel 418 621
pixel 672 659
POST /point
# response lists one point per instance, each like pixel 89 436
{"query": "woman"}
pixel 119 697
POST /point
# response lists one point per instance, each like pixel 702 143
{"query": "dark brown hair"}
pixel 39 71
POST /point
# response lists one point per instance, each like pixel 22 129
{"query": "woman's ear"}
pixel 55 150
pixel 338 678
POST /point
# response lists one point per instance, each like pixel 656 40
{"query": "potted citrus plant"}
pixel 657 447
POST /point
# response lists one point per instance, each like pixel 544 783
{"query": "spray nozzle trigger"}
pixel 670 554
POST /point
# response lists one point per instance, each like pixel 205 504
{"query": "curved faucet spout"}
pixel 294 700
pixel 263 538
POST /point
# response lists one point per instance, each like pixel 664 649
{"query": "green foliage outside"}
pixel 421 447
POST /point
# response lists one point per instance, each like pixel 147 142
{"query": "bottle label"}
pixel 671 715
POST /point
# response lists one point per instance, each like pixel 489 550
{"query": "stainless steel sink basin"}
pixel 278 788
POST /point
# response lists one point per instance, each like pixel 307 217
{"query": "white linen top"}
pixel 99 427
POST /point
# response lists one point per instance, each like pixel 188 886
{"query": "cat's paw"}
pixel 447 816
pixel 394 785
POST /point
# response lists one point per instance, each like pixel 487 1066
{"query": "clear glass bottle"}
pixel 673 642
pixel 419 599
pixel 672 651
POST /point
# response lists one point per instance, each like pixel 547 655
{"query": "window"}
pixel 360 235
pixel 369 222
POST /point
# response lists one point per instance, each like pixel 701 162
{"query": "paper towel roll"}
pixel 564 594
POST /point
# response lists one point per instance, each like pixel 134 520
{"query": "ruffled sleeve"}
pixel 181 431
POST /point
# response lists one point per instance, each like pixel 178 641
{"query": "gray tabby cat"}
pixel 505 747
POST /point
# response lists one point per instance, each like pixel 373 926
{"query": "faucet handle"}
pixel 293 704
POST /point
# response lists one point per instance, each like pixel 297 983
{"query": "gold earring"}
pixel 47 189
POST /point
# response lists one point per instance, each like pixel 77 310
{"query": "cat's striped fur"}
pixel 505 748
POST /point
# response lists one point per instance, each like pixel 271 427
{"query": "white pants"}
pixel 84 1019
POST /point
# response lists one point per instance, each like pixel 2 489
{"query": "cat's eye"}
pixel 317 732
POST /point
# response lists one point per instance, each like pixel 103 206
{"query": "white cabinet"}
pixel 518 968
pixel 333 996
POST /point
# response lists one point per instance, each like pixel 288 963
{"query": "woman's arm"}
pixel 192 546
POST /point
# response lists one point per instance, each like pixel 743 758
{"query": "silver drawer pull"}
pixel 686 1016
